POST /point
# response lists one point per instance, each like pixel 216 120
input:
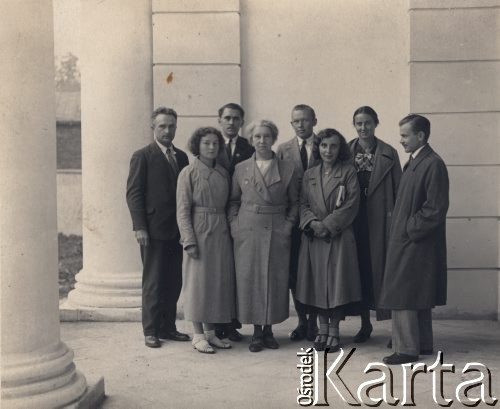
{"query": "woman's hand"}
pixel 319 229
pixel 192 251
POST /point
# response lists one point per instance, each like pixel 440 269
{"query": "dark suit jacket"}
pixel 151 187
pixel 242 151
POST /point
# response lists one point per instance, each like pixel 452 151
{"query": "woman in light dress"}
pixel 208 264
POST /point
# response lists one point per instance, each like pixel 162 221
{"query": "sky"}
pixel 66 27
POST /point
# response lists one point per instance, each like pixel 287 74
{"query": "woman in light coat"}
pixel 328 275
pixel 379 172
pixel 263 208
pixel 208 266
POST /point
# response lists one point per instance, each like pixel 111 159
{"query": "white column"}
pixel 117 102
pixel 37 368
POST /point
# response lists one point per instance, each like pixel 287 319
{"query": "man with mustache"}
pixel 151 198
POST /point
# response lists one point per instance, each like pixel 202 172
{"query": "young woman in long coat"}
pixel 379 172
pixel 208 266
pixel 263 208
pixel 328 274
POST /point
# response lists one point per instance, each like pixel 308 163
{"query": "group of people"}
pixel 339 224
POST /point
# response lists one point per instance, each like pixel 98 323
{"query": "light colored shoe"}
pixel 215 341
pixel 201 344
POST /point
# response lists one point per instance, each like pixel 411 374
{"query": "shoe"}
pixel 201 344
pixel 397 359
pixel 175 336
pixel 256 345
pixel 216 342
pixel 312 330
pixel 270 342
pixel 220 331
pixel 332 343
pixel 152 341
pixel 299 333
pixel 389 344
pixel 320 342
pixel 363 334
pixel 234 335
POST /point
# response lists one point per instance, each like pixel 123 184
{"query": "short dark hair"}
pixel 418 123
pixel 304 107
pixel 366 110
pixel 344 151
pixel 195 139
pixel 161 110
pixel 232 105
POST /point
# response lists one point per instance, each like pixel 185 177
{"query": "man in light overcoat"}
pixel 415 276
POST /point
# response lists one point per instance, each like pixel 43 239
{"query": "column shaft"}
pixel 37 368
pixel 117 101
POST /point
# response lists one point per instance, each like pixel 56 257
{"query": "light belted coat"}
pixel 380 199
pixel 208 282
pixel 328 274
pixel 262 212
pixel 416 272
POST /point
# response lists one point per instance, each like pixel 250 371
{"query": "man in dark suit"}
pixel 302 151
pixel 238 149
pixel 415 276
pixel 151 189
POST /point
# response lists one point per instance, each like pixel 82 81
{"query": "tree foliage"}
pixel 67 73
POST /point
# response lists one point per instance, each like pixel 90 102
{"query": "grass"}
pixel 70 262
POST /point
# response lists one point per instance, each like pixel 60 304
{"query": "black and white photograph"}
pixel 249 204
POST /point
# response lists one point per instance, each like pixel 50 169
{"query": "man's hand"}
pixel 142 237
pixel 192 251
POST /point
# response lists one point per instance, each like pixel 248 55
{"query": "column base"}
pixel 71 312
pixel 45 378
pixel 92 398
pixel 106 290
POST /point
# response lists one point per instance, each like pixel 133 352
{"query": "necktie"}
pixel 303 155
pixel 229 153
pixel 173 162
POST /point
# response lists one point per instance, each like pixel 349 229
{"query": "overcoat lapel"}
pixel 426 150
pixel 383 164
pixel 259 183
pixel 332 183
pixel 273 174
pixel 315 184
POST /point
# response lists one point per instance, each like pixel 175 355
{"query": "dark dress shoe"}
pixel 363 334
pixel 320 342
pixel 152 341
pixel 175 336
pixel 270 342
pixel 397 359
pixel 312 330
pixel 256 345
pixel 234 335
pixel 299 333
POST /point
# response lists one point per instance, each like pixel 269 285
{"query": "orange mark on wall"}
pixel 170 77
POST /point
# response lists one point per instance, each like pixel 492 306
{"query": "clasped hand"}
pixel 319 229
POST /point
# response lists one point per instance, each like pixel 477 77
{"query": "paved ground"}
pixel 176 376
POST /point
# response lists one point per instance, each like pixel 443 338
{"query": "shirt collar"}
pixel 309 141
pixel 164 148
pixel 415 153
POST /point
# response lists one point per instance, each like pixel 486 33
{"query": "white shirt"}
pixel 263 165
pixel 415 153
pixel 164 148
pixel 232 143
pixel 309 146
